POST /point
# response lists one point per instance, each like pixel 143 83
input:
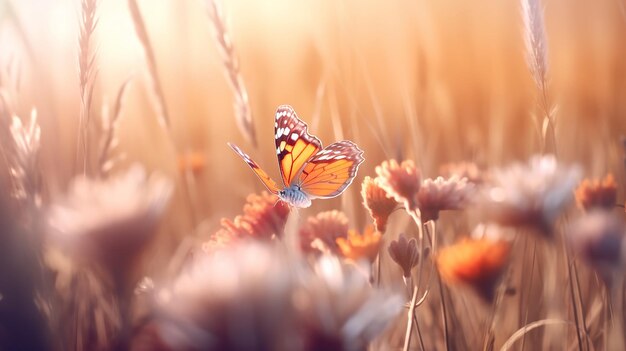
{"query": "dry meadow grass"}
pixel 122 214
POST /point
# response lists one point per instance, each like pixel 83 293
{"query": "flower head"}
pixel 221 239
pixel 476 262
pixel 264 217
pixel 339 309
pixel 358 247
pixel 326 227
pixel 405 253
pixel 530 195
pixel 598 237
pixel 252 296
pixel 110 219
pixel 443 194
pixel 467 170
pixel 400 181
pixel 597 193
pixel 194 162
pixel 377 202
pixel 238 298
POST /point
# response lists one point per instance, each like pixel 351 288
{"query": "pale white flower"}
pixel 339 308
pixel 97 216
pixel 236 298
pixel 254 296
pixel 531 194
pixel 441 194
pixel 598 238
pixel 401 181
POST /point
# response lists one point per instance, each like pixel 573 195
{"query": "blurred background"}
pixel 435 81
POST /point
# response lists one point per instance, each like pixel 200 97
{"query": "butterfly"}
pixel 308 171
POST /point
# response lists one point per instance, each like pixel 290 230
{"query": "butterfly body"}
pixel 294 196
pixel 308 171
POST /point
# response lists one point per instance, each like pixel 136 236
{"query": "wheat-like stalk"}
pixel 87 72
pixel 243 112
pixel 110 124
pixel 535 42
pixel 144 39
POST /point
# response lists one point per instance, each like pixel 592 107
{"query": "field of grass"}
pixel 488 213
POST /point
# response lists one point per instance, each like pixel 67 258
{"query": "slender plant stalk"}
pixel 616 332
pixel 415 215
pixel 527 328
pixel 157 89
pixel 530 285
pixel 444 315
pixel 87 74
pixel 566 253
pixel 162 111
pixel 537 59
pixel 574 279
pixel 411 315
pixel 108 142
pixel 230 62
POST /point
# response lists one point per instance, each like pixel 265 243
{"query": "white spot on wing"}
pixel 294 136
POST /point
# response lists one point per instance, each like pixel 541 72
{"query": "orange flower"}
pixel 597 193
pixel 192 161
pixel 477 262
pixel 357 246
pixel 264 218
pixel 400 181
pixel 325 226
pixel 377 202
pixel 221 239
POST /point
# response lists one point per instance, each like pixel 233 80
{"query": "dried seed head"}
pixel 405 253
pixel 400 181
pixel 377 202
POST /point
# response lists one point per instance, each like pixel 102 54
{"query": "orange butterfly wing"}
pixel 269 183
pixel 329 172
pixel 294 145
